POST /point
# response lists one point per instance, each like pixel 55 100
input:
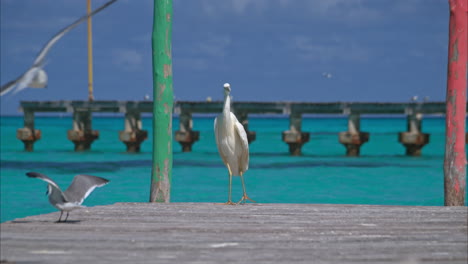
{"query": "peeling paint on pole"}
pixel 455 155
pixel 161 174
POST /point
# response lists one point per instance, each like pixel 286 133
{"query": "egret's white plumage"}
pixel 35 76
pixel 233 146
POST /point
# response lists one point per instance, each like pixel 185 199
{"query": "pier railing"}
pixel 82 134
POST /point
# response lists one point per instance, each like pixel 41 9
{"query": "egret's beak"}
pixel 227 87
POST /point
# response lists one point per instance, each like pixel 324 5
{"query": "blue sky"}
pixel 269 50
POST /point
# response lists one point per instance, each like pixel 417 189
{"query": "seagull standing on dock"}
pixel 35 76
pixel 74 195
pixel 233 146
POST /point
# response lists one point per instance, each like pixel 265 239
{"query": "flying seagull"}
pixel 233 146
pixel 74 195
pixel 36 77
pixel 327 75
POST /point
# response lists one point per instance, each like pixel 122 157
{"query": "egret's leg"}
pixel 245 197
pixel 60 218
pixel 66 217
pixel 229 202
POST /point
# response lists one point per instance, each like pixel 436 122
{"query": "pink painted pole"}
pixel 455 157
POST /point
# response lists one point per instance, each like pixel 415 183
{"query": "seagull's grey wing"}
pixel 26 79
pixel 21 82
pixel 7 87
pixel 82 186
pixel 40 58
pixel 42 177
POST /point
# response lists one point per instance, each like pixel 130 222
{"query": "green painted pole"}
pixel 161 174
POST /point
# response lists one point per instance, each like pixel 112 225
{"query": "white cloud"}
pixel 239 7
pixel 142 38
pixel 127 59
pixel 45 23
pixel 215 46
pixel 307 49
pixel 197 55
pixel 355 11
pixel 197 64
pixel 408 6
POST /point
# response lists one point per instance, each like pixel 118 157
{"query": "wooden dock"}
pixel 252 233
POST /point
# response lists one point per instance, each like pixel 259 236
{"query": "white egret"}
pixel 233 146
pixel 35 76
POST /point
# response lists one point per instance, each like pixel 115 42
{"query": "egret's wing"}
pixel 43 177
pixel 219 138
pixel 82 186
pixel 244 143
pixel 216 130
pixel 56 37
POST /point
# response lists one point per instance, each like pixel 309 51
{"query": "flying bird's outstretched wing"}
pixel 82 186
pixel 42 177
pixel 10 85
pixel 25 79
pixel 40 58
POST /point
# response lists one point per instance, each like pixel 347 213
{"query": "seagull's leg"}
pixel 60 218
pixel 66 217
pixel 229 202
pixel 245 197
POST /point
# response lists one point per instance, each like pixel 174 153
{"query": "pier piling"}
pixel 353 138
pixel 413 139
pixel 82 134
pixel 294 137
pixel 133 135
pixel 28 134
pixel 185 135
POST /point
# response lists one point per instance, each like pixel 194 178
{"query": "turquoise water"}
pixel 381 175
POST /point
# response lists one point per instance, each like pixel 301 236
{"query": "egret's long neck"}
pixel 227 104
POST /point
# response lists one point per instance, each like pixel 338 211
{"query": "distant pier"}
pixel 82 134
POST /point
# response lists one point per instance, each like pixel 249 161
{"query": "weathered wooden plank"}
pixel 252 233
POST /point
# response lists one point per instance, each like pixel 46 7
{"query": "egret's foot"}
pixel 244 199
pixel 229 203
